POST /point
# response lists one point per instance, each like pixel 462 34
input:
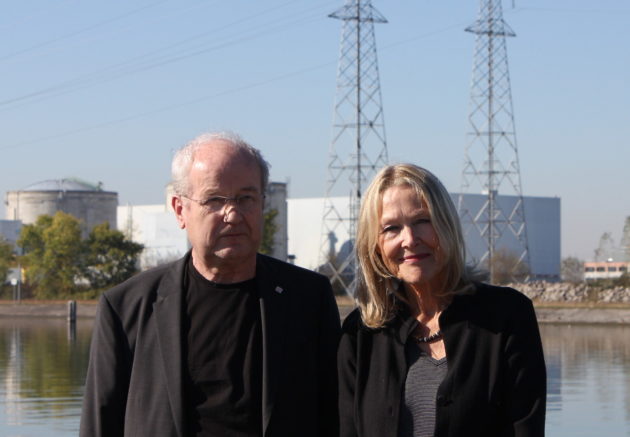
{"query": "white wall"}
pixel 156 228
pixel 541 213
pixel 305 229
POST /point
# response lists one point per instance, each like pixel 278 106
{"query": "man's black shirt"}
pixel 223 352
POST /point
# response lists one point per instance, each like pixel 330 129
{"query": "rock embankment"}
pixel 569 293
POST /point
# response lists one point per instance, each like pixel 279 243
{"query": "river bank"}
pixel 47 308
pixel 556 304
pixel 564 303
pixel 564 314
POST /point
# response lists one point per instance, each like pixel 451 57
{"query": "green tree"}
pixel 111 258
pixel 572 269
pixel 52 250
pixel 269 231
pixel 59 263
pixel 6 259
pixel 508 267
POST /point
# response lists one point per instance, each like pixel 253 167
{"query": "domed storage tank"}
pixel 87 202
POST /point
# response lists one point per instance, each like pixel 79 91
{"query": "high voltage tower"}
pixel 491 160
pixel 358 147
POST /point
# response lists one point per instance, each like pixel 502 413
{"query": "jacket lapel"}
pixel 455 325
pixel 274 304
pixel 168 318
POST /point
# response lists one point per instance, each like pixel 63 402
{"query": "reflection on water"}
pixel 42 371
pixel 43 365
pixel 589 380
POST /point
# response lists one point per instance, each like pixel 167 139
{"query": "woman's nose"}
pixel 409 236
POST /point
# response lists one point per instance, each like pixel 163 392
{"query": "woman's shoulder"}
pixel 354 326
pixel 492 305
pixel 352 323
pixel 499 294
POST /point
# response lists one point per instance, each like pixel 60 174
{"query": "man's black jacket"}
pixel 134 380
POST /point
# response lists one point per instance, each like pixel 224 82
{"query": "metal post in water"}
pixel 72 319
pixel 72 311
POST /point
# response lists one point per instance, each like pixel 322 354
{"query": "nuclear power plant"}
pixel 90 203
pixel 496 215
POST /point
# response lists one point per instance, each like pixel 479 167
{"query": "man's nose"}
pixel 231 213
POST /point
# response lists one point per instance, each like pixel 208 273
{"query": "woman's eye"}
pixel 389 229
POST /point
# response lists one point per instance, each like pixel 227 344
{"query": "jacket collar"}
pixel 168 325
pixel 404 323
pixel 453 323
pixel 274 298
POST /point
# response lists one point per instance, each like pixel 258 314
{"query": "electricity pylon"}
pixel 491 164
pixel 358 147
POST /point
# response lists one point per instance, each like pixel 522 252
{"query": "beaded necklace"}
pixel 430 338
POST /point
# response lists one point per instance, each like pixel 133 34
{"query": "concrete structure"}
pixel 543 229
pixel 305 229
pixel 605 270
pixel 276 199
pixel 87 202
pixel 156 228
pixel 542 216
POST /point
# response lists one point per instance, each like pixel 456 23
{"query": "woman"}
pixel 429 351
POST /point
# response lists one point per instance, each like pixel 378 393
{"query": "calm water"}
pixel 42 368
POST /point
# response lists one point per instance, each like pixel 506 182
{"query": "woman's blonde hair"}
pixel 378 288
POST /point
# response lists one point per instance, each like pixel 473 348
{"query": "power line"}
pixel 577 10
pixel 81 31
pixel 20 22
pixel 205 98
pixel 166 108
pixel 155 59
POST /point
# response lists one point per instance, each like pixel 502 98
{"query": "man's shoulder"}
pixel 310 286
pixel 146 283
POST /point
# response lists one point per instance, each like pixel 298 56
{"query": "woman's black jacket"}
pixel 496 379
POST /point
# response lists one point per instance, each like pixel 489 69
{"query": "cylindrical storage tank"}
pixel 87 202
pixel 277 199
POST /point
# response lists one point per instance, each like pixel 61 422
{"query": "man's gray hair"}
pixel 184 157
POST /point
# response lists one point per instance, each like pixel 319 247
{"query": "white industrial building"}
pixel 542 215
pixel 299 223
pixel 605 269
pixel 155 227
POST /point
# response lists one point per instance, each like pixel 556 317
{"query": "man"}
pixel 225 341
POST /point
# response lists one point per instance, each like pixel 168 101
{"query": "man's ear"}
pixel 178 206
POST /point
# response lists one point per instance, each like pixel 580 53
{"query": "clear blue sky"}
pixel 104 91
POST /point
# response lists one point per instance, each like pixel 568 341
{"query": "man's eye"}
pixel 245 200
pixel 214 202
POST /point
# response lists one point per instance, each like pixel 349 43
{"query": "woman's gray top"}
pixel 417 413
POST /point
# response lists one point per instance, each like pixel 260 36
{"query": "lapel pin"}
pixel 279 290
